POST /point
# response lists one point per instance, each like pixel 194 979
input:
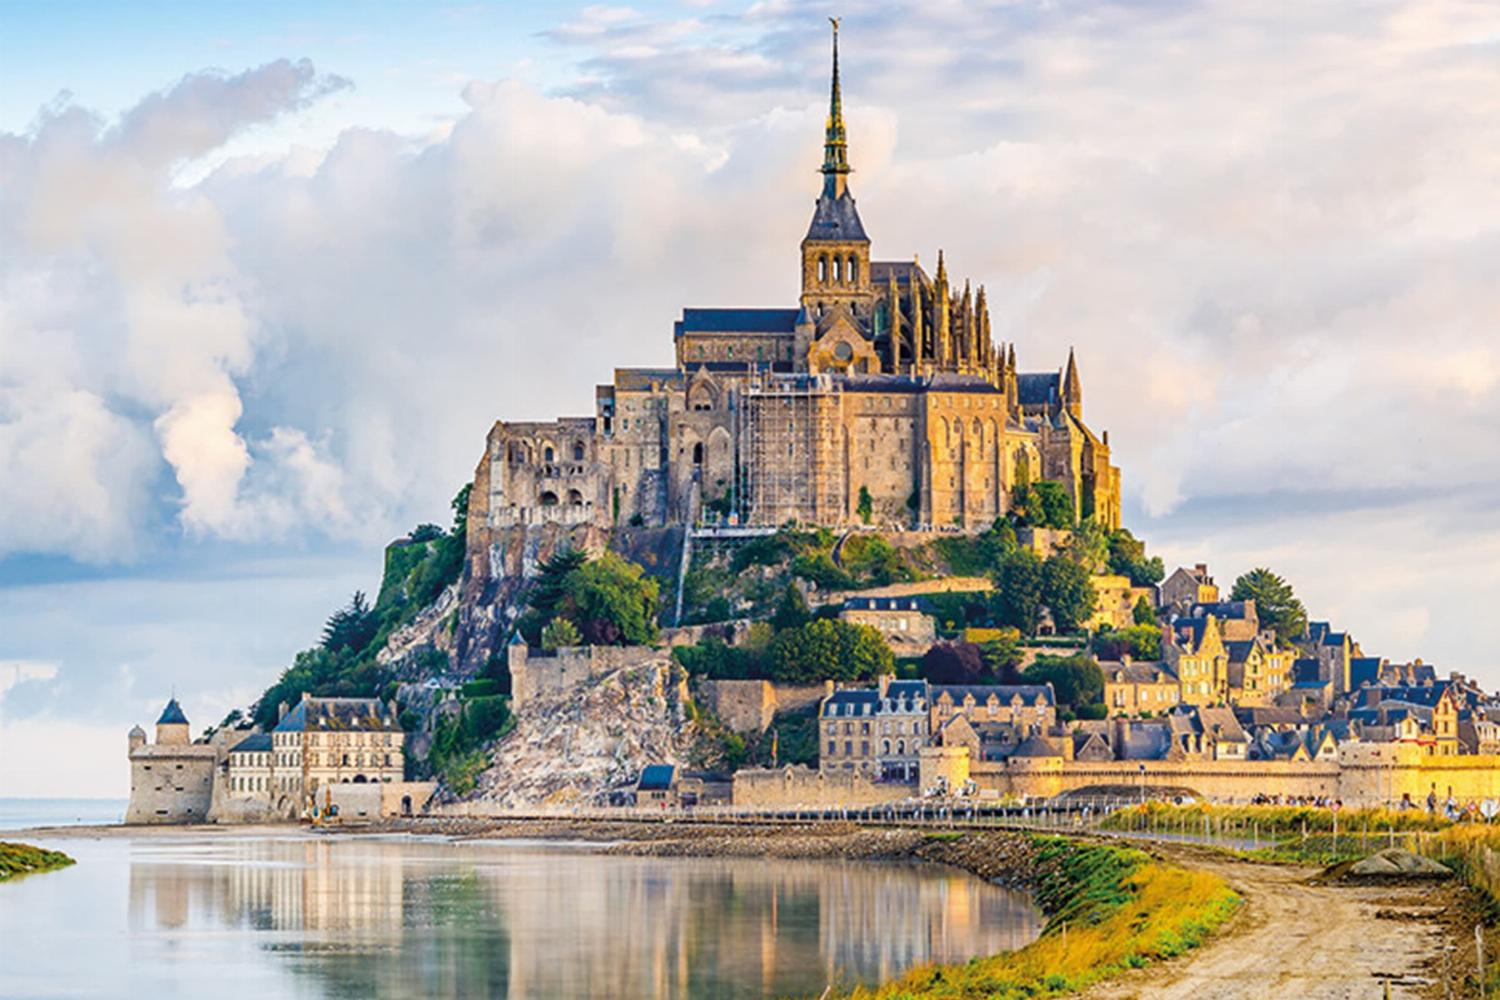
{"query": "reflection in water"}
pixel 361 917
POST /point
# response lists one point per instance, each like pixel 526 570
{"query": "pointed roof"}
pixel 172 715
pixel 1072 386
pixel 835 218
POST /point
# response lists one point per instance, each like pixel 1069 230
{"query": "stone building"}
pixel 876 733
pixel 331 741
pixel 881 396
pixel 901 621
pixel 171 780
pixel 1139 687
pixel 1186 587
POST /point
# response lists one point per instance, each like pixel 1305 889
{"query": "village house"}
pixel 1258 672
pixel 1186 587
pixel 1194 649
pixel 1115 601
pixel 902 621
pixel 876 733
pixel 1025 707
pixel 1138 688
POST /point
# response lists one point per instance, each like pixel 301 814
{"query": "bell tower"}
pixel 836 251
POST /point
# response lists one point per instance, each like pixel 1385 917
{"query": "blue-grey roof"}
pixel 858 701
pixel 777 321
pixel 1036 388
pixel 172 715
pixel 836 219
pixel 656 778
pixel 1364 670
pixel 332 714
pixel 884 604
pixel 1305 669
pixel 1003 692
pixel 259 742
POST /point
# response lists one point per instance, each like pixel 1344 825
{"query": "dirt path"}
pixel 1296 939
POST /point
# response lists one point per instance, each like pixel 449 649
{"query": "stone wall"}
pixel 538 676
pixel 171 784
pixel 802 786
pixel 748 706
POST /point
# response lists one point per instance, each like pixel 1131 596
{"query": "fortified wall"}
pixel 799 785
pixel 533 677
pixel 748 706
pixel 1363 775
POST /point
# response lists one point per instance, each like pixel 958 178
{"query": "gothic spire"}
pixel 835 145
pixel 1072 387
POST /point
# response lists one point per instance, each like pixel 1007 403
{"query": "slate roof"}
pixel 769 321
pixel 1138 672
pixel 656 778
pixel 836 219
pixel 1002 692
pixel 858 701
pixel 1221 609
pixel 172 715
pixel 1364 670
pixel 884 604
pixel 899 690
pixel 1036 388
pixel 338 714
pixel 1036 745
pixel 881 271
pixel 256 743
pixel 1305 671
pixel 1239 649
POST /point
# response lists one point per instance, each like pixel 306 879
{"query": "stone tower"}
pixel 836 251
pixel 172 727
pixel 136 737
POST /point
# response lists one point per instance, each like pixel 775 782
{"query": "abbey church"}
pixel 879 398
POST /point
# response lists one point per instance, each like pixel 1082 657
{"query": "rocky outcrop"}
pixel 577 745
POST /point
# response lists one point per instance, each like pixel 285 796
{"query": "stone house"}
pixel 1194 649
pixel 876 733
pixel 1186 587
pixel 1136 688
pixel 1258 671
pixel 1025 707
pixel 330 741
pixel 902 621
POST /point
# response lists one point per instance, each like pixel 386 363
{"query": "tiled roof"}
pixel 257 743
pixel 338 714
pixel 656 778
pixel 836 219
pixel 858 701
pixel 1036 388
pixel 772 321
pixel 1002 692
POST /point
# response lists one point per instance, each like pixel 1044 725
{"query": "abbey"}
pixel 880 398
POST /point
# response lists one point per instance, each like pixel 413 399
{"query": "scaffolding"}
pixel 791 461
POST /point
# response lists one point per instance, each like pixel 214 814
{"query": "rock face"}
pixel 575 746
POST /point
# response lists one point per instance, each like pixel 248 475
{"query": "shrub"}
pixel 828 649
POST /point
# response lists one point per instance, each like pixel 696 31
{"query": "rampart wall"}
pixel 802 786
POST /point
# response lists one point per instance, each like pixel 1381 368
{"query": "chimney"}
pixel 885 683
pixel 1201 569
pixel 281 710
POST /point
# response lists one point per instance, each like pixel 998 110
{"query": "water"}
pixel 17 813
pixel 301 915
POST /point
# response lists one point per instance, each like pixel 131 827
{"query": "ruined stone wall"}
pixel 749 706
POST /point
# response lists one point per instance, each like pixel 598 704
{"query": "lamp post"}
pixel 1143 783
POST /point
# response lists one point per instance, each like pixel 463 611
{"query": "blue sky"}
pixel 270 271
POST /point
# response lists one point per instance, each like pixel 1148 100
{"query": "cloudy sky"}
pixel 267 275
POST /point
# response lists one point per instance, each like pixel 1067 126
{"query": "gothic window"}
pixel 547 454
pixel 549 499
pixel 698 453
pixel 578 451
pixel 838 271
pixel 575 499
pixel 853 271
pixel 822 270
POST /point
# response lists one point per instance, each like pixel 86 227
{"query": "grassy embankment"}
pixel 24 859
pixel 1108 909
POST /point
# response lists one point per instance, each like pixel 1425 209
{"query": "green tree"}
pixel 1054 505
pixel 1143 613
pixel 1002 656
pixel 866 506
pixel 1076 679
pixel 829 649
pixel 1275 603
pixel 1018 594
pixel 791 610
pixel 1068 592
pixel 1140 642
pixel 352 626
pixel 1088 546
pixel 613 602
pixel 559 634
pixel 1127 557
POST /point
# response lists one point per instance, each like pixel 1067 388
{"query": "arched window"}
pixel 698 453
pixel 885 746
pixel 549 499
pixel 901 747
pixel 822 270
pixel 575 499
pixel 853 270
pixel 578 451
pixel 838 271
pixel 547 454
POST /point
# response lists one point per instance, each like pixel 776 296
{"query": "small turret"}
pixel 172 727
pixel 136 738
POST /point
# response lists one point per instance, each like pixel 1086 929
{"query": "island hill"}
pixel 841 552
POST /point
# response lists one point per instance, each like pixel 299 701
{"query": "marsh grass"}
pixel 24 859
pixel 1108 909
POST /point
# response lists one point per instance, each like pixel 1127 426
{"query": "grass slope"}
pixel 1108 909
